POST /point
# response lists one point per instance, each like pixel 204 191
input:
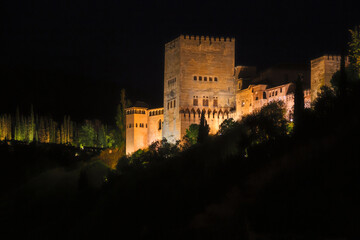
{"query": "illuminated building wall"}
pixel 322 70
pixel 141 128
pixel 198 77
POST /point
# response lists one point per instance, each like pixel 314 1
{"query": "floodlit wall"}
pixel 322 70
pixel 155 126
pixel 198 77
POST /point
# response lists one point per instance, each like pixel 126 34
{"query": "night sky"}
pixel 73 57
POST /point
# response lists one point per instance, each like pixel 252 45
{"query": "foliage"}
pixel 325 103
pixel 110 157
pixel 352 79
pixel 157 152
pixel 354 48
pixel 87 135
pixel 226 126
pixel 191 135
pixel 44 129
pixel 267 124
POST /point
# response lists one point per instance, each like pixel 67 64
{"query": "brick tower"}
pixel 322 70
pixel 198 76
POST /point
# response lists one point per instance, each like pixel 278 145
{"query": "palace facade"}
pixel 200 75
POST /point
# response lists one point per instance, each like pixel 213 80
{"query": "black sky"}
pixel 73 57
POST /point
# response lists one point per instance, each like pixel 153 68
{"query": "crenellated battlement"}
pixel 331 57
pixel 208 38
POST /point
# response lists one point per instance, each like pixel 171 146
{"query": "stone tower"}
pixel 322 70
pixel 198 76
pixel 136 128
pixel 143 126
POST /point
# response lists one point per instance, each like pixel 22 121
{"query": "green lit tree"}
pixel 191 135
pixel 354 48
pixel 87 135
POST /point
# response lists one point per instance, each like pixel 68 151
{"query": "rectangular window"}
pixel 281 90
pixel 210 79
pixel 171 82
pixel 195 102
pixel 205 102
pixel 215 102
pixel 195 78
pixel 200 78
pixel 205 78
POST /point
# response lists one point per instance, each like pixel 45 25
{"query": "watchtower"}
pixel 322 70
pixel 198 76
pixel 136 128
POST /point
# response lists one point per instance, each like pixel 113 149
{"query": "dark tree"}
pixel 298 102
pixel 203 128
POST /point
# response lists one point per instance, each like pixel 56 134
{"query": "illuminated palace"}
pixel 200 75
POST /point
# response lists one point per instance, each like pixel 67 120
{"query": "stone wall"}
pixel 322 70
pixel 155 126
pixel 136 129
pixel 203 70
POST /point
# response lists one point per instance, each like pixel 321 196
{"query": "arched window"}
pixel 159 124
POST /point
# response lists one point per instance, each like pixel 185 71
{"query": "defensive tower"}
pixel 198 76
pixel 322 70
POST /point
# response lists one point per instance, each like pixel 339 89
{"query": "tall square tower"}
pixel 322 70
pixel 198 76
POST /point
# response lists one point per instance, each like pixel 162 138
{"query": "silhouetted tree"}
pixel 203 128
pixel 227 125
pixel 298 102
pixel 121 122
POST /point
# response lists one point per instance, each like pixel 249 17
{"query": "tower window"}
pixel 215 102
pixel 159 124
pixel 205 102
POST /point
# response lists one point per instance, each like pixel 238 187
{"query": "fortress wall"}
pixel 136 134
pixel 322 70
pixel 129 134
pixel 155 126
pixel 212 59
pixel 171 128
